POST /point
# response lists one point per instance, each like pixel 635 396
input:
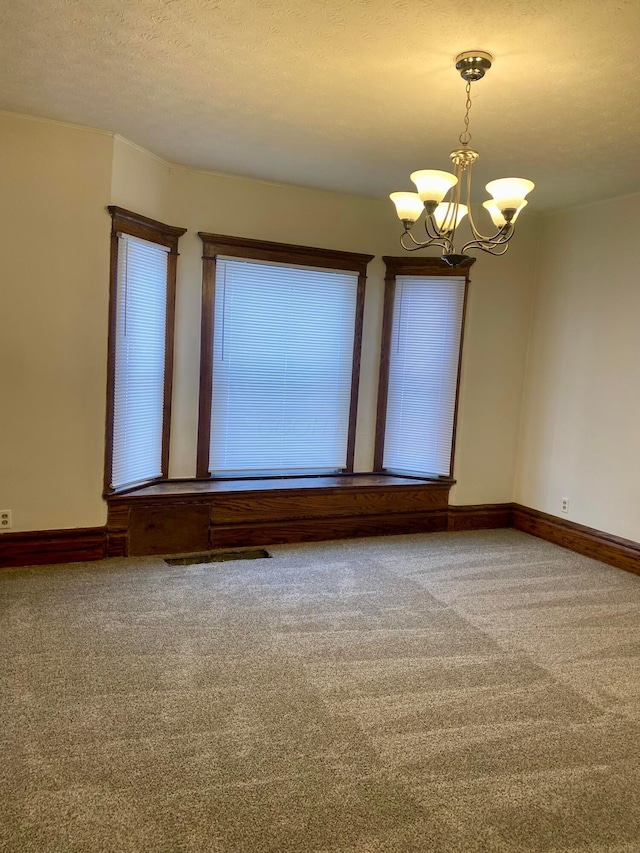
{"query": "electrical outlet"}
pixel 565 505
pixel 5 519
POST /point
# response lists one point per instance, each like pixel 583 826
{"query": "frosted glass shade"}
pixel 446 212
pixel 509 192
pixel 433 185
pixel 408 205
pixel 496 214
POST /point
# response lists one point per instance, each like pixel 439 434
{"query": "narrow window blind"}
pixel 141 307
pixel 423 371
pixel 282 364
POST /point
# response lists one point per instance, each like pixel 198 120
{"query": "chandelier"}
pixel 443 217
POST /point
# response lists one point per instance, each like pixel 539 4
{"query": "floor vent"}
pixel 217 557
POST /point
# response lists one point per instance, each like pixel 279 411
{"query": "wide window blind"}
pixel 423 370
pixel 141 307
pixel 282 363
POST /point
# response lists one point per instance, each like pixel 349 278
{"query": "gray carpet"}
pixel 449 692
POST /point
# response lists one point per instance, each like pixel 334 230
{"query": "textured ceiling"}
pixel 348 96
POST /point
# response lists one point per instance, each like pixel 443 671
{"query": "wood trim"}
pixel 215 245
pixel 111 363
pixel 286 253
pixel 206 366
pixel 172 269
pixel 317 530
pixel 454 434
pixel 614 550
pixel 479 516
pixel 160 519
pixel 412 265
pixel 426 267
pixel 355 374
pixel 39 547
pixel 126 222
pixel 383 377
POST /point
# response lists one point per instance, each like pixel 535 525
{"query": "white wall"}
pixel 54 185
pixel 581 415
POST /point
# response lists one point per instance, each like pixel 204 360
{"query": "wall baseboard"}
pixel 622 553
pixel 40 547
pixel 479 516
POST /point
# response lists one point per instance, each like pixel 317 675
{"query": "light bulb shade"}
pixel 509 193
pixel 496 214
pixel 446 215
pixel 408 206
pixel 433 185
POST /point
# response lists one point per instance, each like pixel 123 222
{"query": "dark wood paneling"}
pixel 175 517
pixel 622 553
pixel 480 516
pixel 117 530
pixel 38 547
pixel 286 253
pixel 168 529
pixel 273 506
pixel 316 530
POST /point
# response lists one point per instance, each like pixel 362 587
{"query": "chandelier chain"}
pixel 465 136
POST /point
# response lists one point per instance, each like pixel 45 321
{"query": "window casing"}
pixel 423 324
pixel 280 357
pixel 140 360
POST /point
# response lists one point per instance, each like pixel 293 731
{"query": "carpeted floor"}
pixel 449 692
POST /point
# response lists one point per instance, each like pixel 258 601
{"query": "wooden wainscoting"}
pixel 179 517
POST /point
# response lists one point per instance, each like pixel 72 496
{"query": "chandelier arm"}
pixel 433 231
pixel 496 249
pixel 503 236
pixel 456 203
pixel 418 245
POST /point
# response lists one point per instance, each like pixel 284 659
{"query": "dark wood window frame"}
pixel 127 222
pixel 436 268
pixel 215 245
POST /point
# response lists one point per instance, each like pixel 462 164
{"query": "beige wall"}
pixel 139 180
pixel 58 181
pixel 494 353
pixel 54 186
pixel 581 414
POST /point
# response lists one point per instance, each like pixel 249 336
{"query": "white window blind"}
pixel 141 307
pixel 423 371
pixel 282 364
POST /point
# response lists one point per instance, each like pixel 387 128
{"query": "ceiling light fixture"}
pixel 443 217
